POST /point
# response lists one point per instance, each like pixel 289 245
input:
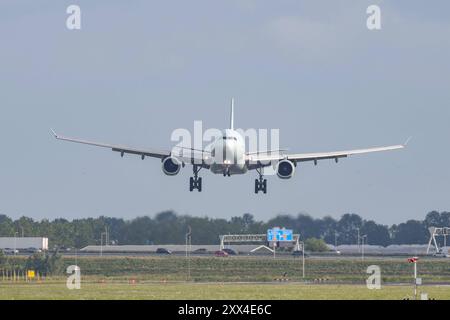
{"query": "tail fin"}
pixel 232 115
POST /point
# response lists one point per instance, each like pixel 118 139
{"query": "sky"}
pixel 137 70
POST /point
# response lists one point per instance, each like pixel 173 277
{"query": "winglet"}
pixel 54 133
pixel 407 141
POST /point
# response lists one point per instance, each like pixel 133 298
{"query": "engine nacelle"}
pixel 285 169
pixel 171 166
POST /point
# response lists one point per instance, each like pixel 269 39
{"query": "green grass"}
pixel 253 269
pixel 197 291
pixel 230 278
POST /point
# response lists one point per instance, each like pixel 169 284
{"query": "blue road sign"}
pixel 277 234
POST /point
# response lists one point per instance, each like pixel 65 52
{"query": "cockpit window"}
pixel 230 138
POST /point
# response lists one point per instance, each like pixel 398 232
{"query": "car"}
pixel 10 251
pixel 163 251
pixel 298 253
pixel 441 254
pixel 221 253
pixel 33 250
pixel 231 252
pixel 201 251
pixel 62 249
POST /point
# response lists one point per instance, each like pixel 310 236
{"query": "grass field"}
pixel 251 269
pixel 243 278
pixel 198 291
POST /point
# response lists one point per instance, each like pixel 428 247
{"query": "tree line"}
pixel 169 228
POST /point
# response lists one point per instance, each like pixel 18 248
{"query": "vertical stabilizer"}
pixel 232 115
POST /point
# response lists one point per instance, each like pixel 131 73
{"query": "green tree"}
pixel 328 229
pixel 436 219
pixel 348 227
pixel 6 226
pixel 45 263
pixel 411 232
pixel 316 245
pixel 2 259
pixel 377 234
pixel 139 231
pixel 25 226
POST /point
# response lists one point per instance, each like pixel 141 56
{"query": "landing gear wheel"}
pixel 261 183
pixel 191 184
pixel 195 182
pixel 199 185
pixel 227 173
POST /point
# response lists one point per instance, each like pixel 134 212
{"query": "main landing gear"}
pixel 261 183
pixel 227 173
pixel 195 182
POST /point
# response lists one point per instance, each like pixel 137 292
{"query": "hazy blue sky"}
pixel 139 69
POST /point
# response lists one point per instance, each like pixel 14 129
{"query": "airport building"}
pixel 23 243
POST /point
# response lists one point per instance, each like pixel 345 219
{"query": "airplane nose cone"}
pixel 225 153
pixel 230 153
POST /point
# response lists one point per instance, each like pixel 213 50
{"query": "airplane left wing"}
pixel 194 156
pixel 161 154
pixel 302 157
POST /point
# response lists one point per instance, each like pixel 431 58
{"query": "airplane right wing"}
pixel 256 160
pixel 194 156
pixel 339 154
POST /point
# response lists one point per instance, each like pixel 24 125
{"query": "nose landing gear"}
pixel 195 182
pixel 261 183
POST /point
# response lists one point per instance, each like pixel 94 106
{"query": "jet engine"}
pixel 171 166
pixel 285 169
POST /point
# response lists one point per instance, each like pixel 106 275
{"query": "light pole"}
pixel 415 279
pixel 15 241
pixel 22 231
pixel 359 238
pixel 188 250
pixel 101 243
pixel 414 261
pixel 303 259
pixel 335 241
pixel 106 236
pixel 445 239
pixel 362 246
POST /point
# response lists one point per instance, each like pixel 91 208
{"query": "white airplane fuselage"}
pixel 228 154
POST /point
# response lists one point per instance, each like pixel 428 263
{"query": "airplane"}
pixel 228 156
